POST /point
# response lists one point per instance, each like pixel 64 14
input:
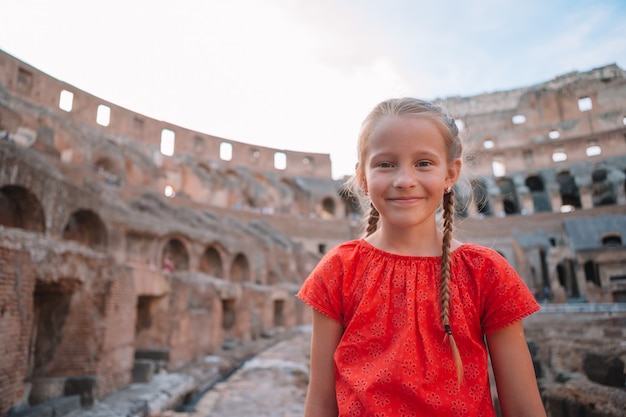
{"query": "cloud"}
pixel 298 74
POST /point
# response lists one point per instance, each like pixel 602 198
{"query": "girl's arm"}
pixel 321 400
pixel 518 393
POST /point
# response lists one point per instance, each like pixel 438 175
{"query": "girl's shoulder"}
pixel 348 250
pixel 480 254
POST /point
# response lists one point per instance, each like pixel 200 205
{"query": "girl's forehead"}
pixel 406 130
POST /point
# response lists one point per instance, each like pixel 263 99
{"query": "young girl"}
pixel 404 320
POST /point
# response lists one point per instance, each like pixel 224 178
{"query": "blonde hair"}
pixel 412 107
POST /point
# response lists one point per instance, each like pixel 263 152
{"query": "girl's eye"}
pixel 384 165
pixel 424 163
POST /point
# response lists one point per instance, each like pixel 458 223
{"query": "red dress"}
pixel 393 359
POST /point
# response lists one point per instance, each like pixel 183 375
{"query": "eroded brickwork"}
pixel 132 260
pixel 17 280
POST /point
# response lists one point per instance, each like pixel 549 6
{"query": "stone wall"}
pixel 16 318
pixel 579 358
pixel 118 259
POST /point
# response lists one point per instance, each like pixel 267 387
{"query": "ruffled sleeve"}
pixel 505 298
pixel 322 288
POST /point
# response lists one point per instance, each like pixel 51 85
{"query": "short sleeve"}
pixel 322 288
pixel 506 298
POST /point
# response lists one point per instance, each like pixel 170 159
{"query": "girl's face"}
pixel 406 170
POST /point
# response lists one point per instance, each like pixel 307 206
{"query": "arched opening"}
pixel 591 273
pixel 279 313
pixel 108 170
pixel 175 256
pixel 570 195
pixel 545 278
pixel 510 201
pixel 229 315
pixel 602 190
pixel 567 279
pixel 20 209
pixel 240 271
pixel 328 207
pixel 541 200
pixel 211 263
pixel 611 239
pixel 85 227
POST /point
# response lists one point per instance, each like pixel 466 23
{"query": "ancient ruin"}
pixel 129 245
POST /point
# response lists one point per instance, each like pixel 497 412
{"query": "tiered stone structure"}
pixel 114 252
pixel 129 244
pixel 548 164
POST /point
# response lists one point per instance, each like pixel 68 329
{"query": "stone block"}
pixel 40 410
pixel 57 407
pixel 46 388
pixel 65 405
pixel 153 354
pixel 604 369
pixel 84 386
pixel 143 370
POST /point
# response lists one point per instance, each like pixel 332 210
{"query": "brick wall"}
pixel 115 360
pixel 16 306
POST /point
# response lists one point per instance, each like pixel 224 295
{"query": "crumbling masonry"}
pixel 127 241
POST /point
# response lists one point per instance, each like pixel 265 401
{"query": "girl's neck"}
pixel 406 242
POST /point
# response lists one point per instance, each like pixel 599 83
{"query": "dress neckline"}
pixel 383 252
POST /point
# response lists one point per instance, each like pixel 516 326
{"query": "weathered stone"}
pixel 143 370
pixel 604 369
pixel 85 387
pixel 96 264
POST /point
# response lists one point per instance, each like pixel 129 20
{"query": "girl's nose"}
pixel 405 178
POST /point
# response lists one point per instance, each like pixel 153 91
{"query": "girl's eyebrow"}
pixel 421 154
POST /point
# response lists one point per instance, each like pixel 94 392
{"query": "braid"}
pixel 448 218
pixel 372 221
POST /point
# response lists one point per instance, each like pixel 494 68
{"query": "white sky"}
pixel 302 74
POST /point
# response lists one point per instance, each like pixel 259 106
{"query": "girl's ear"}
pixel 454 172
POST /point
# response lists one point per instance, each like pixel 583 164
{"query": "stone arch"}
pixel 211 263
pixel 19 208
pixel 541 200
pixel 240 269
pixel 611 239
pixel 328 207
pixel 279 312
pixel 602 190
pixel 567 278
pixel 108 170
pixel 229 316
pixel 591 273
pixel 570 194
pixel 175 256
pixel 85 227
pixel 508 193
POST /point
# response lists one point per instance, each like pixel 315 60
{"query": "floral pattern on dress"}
pixel 393 358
